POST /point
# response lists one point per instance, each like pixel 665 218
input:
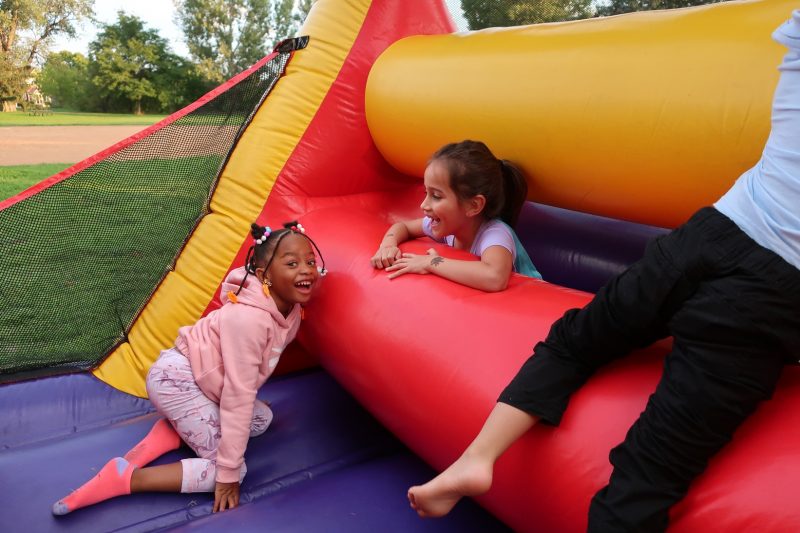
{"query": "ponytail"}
pixel 474 170
pixel 515 192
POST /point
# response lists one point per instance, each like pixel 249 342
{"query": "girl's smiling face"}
pixel 293 272
pixel 441 204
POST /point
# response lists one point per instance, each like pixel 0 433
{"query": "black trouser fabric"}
pixel 733 310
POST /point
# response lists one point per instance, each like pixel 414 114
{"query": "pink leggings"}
pixel 173 391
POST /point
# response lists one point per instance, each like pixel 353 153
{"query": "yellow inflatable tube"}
pixel 643 117
pixel 242 191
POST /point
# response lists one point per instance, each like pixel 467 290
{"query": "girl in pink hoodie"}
pixel 206 385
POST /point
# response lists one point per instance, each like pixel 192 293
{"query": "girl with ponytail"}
pixel 472 201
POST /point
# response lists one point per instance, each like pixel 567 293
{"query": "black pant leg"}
pixel 631 311
pixel 726 359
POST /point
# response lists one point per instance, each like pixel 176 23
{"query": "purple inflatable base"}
pixel 324 465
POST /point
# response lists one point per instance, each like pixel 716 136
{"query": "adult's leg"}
pixel 630 311
pixel 726 359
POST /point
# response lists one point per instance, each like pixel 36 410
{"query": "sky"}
pixel 156 14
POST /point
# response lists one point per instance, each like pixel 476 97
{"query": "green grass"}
pixel 80 258
pixel 15 179
pixel 72 118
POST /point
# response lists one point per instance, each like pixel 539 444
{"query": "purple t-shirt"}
pixel 491 233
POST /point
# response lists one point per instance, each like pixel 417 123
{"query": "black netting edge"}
pixel 60 367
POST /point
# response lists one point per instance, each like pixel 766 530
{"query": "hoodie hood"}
pixel 251 294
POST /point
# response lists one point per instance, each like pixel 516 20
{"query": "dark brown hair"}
pixel 474 170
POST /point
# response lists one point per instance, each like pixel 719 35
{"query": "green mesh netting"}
pixel 81 258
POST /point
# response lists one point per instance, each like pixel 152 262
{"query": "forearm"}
pixel 475 274
pixel 396 234
pixel 388 251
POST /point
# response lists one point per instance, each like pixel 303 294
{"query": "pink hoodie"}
pixel 232 352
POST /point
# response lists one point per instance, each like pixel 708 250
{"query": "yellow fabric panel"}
pixel 644 117
pixel 241 193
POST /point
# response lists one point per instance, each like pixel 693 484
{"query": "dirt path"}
pixel 57 144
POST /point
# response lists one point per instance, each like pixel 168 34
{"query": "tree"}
pixel 65 78
pixel 126 61
pixel 180 83
pixel 302 7
pixel 12 80
pixel 26 28
pixel 497 13
pixel 227 36
pixel 616 7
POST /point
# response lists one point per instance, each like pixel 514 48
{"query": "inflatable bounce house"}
pixel 624 125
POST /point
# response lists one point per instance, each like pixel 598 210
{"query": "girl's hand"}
pixel 226 496
pixel 385 256
pixel 415 264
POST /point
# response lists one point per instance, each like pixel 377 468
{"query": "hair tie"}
pixel 298 228
pixel 263 238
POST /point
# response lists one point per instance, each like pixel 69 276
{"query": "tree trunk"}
pixel 9 106
pixel 7 40
pixel 138 107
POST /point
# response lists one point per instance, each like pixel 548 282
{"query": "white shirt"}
pixel 765 201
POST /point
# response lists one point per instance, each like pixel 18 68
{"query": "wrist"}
pixel 434 263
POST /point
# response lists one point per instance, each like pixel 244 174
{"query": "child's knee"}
pixel 262 418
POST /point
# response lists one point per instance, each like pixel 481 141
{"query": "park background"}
pixel 77 76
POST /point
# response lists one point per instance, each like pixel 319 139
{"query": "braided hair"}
pixel 262 252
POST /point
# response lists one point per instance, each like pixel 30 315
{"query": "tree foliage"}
pixel 26 29
pixel 499 13
pixel 616 7
pixel 65 77
pixel 129 62
pixel 496 13
pixel 302 7
pixel 225 37
pixel 12 79
pixel 31 24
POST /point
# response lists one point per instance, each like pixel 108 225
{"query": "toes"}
pixel 60 508
pixel 412 500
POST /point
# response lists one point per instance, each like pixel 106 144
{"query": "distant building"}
pixel 33 98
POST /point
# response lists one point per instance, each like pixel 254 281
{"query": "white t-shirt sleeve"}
pixel 495 233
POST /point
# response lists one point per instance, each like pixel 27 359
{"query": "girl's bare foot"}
pixel 468 476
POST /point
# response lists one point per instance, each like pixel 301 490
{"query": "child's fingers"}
pixel 398 272
pixel 400 263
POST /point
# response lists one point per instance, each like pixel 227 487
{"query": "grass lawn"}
pixel 17 178
pixel 72 118
pixel 81 258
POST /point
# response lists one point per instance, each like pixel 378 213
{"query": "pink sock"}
pixel 114 479
pixel 161 439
